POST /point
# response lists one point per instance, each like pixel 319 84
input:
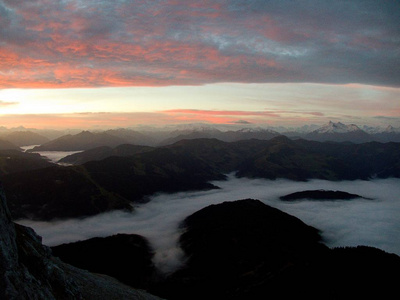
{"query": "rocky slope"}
pixel 29 271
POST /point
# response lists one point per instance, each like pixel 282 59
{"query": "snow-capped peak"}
pixel 391 129
pixel 252 129
pixel 338 127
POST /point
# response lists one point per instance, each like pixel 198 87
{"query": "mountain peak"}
pixel 391 129
pixel 338 127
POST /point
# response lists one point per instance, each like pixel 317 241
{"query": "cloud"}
pixel 86 120
pixel 343 223
pixel 101 43
pixel 244 122
pixel 388 118
pixel 219 116
pixel 7 103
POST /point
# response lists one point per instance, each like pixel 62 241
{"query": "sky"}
pixel 94 64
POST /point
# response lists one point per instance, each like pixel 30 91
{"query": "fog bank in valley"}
pixel 343 223
pixel 53 156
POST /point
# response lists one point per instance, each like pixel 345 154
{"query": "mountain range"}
pixel 113 178
pixel 85 140
pixel 235 250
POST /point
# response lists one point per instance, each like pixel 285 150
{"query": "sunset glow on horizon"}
pixel 103 64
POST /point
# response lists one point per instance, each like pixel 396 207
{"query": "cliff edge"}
pixel 29 271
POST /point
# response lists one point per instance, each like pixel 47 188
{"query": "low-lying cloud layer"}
pixel 343 223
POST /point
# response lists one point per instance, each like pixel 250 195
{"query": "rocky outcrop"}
pixel 29 271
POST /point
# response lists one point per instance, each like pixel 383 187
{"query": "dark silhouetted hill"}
pixel 58 192
pixel 320 195
pixel 248 250
pixel 13 161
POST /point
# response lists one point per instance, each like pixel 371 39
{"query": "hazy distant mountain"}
pixel 100 153
pixel 132 137
pixel 190 134
pixel 332 127
pixel 25 138
pixel 6 145
pixel 339 132
pixel 249 133
pixel 389 134
pixel 226 136
pixel 81 141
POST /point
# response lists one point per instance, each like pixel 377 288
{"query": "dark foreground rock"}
pixel 320 195
pixel 126 257
pixel 29 271
pixel 248 250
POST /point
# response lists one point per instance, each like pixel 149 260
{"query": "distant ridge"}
pixel 81 141
pixel 225 136
pixel 160 136
pixel 25 138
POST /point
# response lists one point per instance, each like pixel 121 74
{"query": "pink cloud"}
pixel 114 43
